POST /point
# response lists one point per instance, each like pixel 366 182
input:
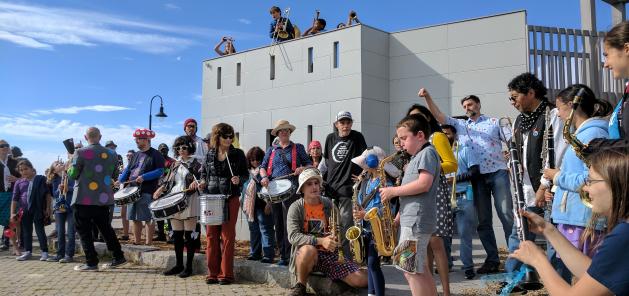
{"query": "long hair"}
pixel 432 121
pixel 613 165
pixel 218 130
pixel 184 141
pixel 50 175
pixel 617 36
pixel 590 105
pixel 255 153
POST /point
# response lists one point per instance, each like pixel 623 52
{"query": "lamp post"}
pixel 161 113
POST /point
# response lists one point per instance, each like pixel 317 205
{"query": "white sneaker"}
pixel 44 256
pixel 25 256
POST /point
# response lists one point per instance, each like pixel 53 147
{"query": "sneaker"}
pixel 211 281
pixel 187 272
pixel 44 256
pixel 517 290
pixel 224 282
pixel 4 247
pixel 66 259
pixel 298 289
pixel 266 260
pixel 488 267
pixel 54 259
pixel 25 256
pixel 85 267
pixel 173 271
pixel 117 262
pixel 470 274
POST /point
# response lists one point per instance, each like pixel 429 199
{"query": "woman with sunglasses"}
pixel 568 212
pixel 183 175
pixel 224 172
pixel 606 272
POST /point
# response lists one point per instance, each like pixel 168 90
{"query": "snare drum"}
pixel 212 210
pixel 168 205
pixel 277 191
pixel 127 195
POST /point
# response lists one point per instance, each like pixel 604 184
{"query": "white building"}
pixel 369 72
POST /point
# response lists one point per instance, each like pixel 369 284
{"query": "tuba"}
pixel 577 145
pixel 382 227
pixel 354 233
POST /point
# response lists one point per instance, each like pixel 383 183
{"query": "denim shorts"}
pixel 139 210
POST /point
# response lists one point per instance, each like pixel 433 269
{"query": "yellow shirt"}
pixel 442 145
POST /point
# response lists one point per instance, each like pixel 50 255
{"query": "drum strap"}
pixel 293 155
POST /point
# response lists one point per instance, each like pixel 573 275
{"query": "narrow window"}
pixel 269 137
pixel 336 54
pixel 272 67
pixel 218 77
pixel 310 60
pixel 238 67
pixel 309 134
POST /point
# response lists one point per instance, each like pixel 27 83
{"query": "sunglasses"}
pixel 227 137
pixel 191 125
pixel 181 148
pixel 511 99
pixel 4 145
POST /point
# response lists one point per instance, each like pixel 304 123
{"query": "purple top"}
pixel 20 192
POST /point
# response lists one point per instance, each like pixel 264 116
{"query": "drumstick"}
pixel 229 165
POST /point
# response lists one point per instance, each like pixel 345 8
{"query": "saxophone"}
pixel 576 144
pixel 354 233
pixel 334 229
pixel 382 227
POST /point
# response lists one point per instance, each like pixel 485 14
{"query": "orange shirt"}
pixel 315 222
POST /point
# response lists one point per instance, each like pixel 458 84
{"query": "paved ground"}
pixel 43 278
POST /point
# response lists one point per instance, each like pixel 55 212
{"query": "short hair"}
pixel 322 22
pixel 218 130
pixel 92 133
pixel 415 123
pixel 275 9
pixel 25 162
pixel 470 97
pixel 527 81
pixel 131 151
pixel 184 141
pixel 450 127
pixel 255 153
pixel 340 25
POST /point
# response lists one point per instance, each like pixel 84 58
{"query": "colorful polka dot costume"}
pixel 93 167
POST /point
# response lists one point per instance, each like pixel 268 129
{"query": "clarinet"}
pixel 548 156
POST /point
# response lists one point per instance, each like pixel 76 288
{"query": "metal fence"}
pixel 561 57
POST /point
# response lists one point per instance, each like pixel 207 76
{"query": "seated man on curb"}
pixel 313 247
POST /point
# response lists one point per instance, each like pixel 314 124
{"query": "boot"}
pixel 190 246
pixel 179 242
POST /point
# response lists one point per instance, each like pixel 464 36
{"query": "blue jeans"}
pixel 466 223
pixel 262 235
pixel 558 264
pixel 511 264
pixel 27 232
pixel 64 250
pixel 375 276
pixel 496 184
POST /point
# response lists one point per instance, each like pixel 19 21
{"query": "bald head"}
pixel 92 135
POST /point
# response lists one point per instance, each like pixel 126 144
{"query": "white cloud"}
pixel 43 28
pixel 178 58
pixel 50 133
pixel 244 21
pixel 77 109
pixel 171 6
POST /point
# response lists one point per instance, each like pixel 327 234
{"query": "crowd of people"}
pixel 282 29
pixel 444 172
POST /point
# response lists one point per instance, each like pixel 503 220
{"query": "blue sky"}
pixel 66 65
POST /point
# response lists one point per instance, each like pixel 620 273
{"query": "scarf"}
pixel 250 197
pixel 529 119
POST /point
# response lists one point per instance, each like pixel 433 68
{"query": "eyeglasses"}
pixel 589 181
pixel 191 125
pixel 4 145
pixel 227 137
pixel 181 148
pixel 511 99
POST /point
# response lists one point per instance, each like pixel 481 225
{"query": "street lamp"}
pixel 161 113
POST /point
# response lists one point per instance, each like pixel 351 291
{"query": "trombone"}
pixel 281 33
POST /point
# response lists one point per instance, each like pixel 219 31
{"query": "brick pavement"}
pixel 44 278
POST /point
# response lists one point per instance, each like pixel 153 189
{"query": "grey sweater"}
pixel 295 228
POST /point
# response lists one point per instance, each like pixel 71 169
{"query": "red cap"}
pixel 314 144
pixel 144 133
pixel 189 120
